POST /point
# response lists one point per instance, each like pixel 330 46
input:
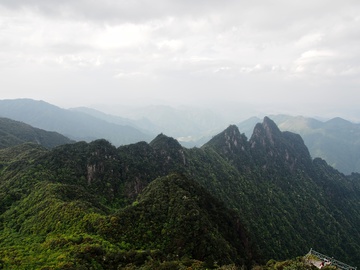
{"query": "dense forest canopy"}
pixel 234 201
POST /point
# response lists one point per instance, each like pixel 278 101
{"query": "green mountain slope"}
pixel 271 177
pixel 179 217
pixel 56 218
pixel 233 200
pixel 14 133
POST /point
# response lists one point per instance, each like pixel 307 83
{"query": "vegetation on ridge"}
pixel 233 202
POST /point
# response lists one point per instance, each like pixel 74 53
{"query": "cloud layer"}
pixel 261 52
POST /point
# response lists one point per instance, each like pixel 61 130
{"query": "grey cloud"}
pixel 111 11
pixel 188 48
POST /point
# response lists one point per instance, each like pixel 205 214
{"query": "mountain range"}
pixel 336 140
pixel 158 205
pixel 189 125
pixel 76 125
pixel 15 133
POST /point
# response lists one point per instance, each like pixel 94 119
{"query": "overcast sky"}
pixel 281 55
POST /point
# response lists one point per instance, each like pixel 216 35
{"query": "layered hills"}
pixel 14 133
pixel 76 125
pixel 335 140
pixel 159 205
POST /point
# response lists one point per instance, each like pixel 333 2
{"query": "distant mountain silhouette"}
pixel 143 124
pixel 76 125
pixel 14 133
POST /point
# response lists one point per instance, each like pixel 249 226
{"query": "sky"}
pixel 283 56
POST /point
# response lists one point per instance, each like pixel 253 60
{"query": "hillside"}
pixel 181 218
pixel 336 140
pixel 58 218
pixel 73 124
pixel 14 133
pixel 291 203
pixel 233 201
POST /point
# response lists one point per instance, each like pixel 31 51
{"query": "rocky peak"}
pixel 269 146
pixel 233 138
pixel 233 146
pixel 265 132
pixel 228 141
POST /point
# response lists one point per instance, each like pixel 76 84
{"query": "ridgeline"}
pixel 158 205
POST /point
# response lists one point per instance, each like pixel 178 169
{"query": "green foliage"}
pixel 180 218
pixel 160 206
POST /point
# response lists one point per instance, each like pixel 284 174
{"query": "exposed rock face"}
pixel 91 169
pixel 266 147
pixel 266 133
pixel 232 145
pixel 271 146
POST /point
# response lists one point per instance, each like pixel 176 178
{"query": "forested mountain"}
pixel 336 140
pixel 73 124
pixel 162 206
pixel 14 133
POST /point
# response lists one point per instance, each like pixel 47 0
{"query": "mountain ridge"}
pixel 335 140
pixel 74 124
pixel 14 133
pixel 286 202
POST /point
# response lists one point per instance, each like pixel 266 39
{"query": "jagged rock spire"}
pixel 232 145
pixel 269 146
